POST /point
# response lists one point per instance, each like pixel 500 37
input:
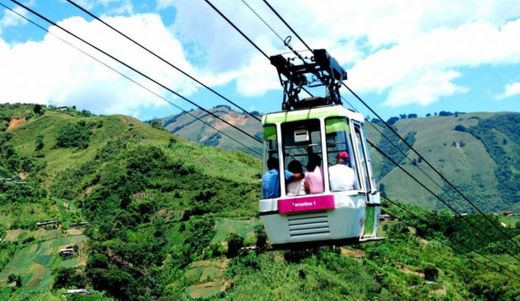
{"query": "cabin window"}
pixel 364 158
pixel 271 177
pixel 302 151
pixel 342 169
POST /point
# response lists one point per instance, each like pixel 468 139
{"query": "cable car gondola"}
pixel 334 200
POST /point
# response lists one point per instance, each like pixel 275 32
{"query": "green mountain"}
pixel 477 152
pixel 150 216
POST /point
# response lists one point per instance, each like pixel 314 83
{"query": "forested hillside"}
pixel 151 216
pixel 477 152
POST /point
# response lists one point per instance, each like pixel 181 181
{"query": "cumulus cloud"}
pixel 52 72
pixel 11 19
pixel 512 89
pixel 410 51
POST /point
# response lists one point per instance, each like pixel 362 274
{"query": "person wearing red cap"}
pixel 341 176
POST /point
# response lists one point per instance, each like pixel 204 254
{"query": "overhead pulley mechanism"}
pixel 298 72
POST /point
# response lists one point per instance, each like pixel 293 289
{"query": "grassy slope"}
pixel 207 160
pixel 204 161
pixel 435 138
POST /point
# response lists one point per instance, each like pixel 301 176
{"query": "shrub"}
pixel 235 243
pixel 39 143
pixel 74 134
pixel 460 128
pixel 430 272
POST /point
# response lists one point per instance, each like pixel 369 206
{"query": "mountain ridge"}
pixel 449 142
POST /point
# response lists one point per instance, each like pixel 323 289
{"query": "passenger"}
pixel 296 187
pixel 342 177
pixel 314 175
pixel 271 179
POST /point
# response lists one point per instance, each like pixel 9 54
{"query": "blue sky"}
pixel 401 56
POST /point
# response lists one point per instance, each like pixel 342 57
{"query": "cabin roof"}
pixel 311 113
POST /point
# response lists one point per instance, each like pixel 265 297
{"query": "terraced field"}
pixel 36 261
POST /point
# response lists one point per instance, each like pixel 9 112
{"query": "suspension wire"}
pixel 263 21
pixel 396 147
pixel 161 58
pixel 509 238
pixel 287 24
pixel 135 70
pixel 406 156
pixel 237 29
pixel 244 35
pixel 426 222
pixel 130 79
pixel 432 167
pixel 440 199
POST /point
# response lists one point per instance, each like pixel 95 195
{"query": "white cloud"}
pixel 11 19
pixel 398 48
pixel 412 52
pixel 510 90
pixel 52 72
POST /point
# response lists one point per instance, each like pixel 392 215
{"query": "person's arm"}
pixel 296 176
pixel 288 176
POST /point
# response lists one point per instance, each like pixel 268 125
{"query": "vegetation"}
pixel 173 220
pixel 492 133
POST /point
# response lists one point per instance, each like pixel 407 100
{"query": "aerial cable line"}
pixel 286 41
pixel 439 198
pixel 407 157
pixel 130 79
pixel 135 70
pixel 263 21
pixel 161 58
pixel 287 24
pixel 237 29
pixel 401 138
pixel 134 81
pixel 433 168
pixel 426 222
pixel 243 35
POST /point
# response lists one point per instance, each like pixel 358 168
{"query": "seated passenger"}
pixel 314 175
pixel 271 179
pixel 341 176
pixel 297 186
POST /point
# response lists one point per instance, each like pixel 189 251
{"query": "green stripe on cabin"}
pixel 298 115
pixel 270 132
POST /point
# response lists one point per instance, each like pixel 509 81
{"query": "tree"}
pixel 235 243
pixel 39 143
pixel 38 109
pixel 74 134
pixel 460 128
pixel 156 123
pixel 15 278
pixel 445 113
pixel 392 120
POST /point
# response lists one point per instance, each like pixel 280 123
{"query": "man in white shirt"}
pixel 341 176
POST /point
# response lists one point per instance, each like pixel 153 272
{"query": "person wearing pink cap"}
pixel 341 176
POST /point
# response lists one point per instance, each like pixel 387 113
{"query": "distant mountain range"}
pixel 478 152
